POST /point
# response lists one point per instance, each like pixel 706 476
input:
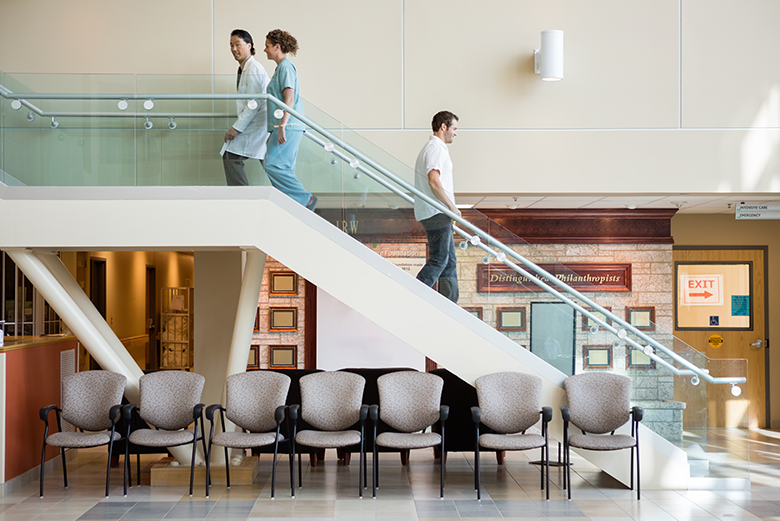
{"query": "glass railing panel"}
pixel 567 330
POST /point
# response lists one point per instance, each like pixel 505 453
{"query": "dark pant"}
pixel 234 169
pixel 441 264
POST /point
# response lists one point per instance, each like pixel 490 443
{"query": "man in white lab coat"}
pixel 248 135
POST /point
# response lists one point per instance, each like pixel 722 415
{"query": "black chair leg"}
pixel 126 465
pixel 108 465
pixel 477 483
pixel 208 469
pixel 273 469
pixel 300 472
pixel 43 463
pixel 227 467
pixel 638 496
pixel 137 469
pixel 64 467
pixel 192 461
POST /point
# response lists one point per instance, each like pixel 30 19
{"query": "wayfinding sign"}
pixel 702 290
pixel 758 211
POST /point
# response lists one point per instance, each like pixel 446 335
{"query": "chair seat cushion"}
pixel 328 439
pixel 598 442
pixel 404 440
pixel 80 439
pixel 161 438
pixel 245 440
pixel 511 441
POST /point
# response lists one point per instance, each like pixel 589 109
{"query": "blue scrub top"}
pixel 285 76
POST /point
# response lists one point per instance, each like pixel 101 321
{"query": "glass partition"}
pixel 604 324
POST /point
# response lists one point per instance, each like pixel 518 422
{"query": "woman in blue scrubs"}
pixel 286 131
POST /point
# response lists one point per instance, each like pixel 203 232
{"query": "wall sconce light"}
pixel 548 61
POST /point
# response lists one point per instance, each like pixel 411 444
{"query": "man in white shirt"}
pixel 248 135
pixel 434 179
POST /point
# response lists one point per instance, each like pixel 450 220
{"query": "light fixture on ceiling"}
pixel 679 204
pixel 548 61
pixel 513 206
pixel 464 206
pixel 631 206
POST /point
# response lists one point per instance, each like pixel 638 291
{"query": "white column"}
pixel 247 309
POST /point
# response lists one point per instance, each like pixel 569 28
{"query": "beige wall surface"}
pixel 659 95
pixel 708 230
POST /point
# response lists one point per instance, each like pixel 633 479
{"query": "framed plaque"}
pixel 642 317
pixel 282 319
pixel 597 357
pixel 636 359
pixel 282 284
pixel 588 323
pixel 282 357
pixel 475 310
pixel 254 359
pixel 510 319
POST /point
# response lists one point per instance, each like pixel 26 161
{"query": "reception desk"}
pixel 30 372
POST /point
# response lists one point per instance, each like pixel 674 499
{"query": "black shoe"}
pixel 312 203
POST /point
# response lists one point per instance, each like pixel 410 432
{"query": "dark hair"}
pixel 287 42
pixel 244 35
pixel 445 118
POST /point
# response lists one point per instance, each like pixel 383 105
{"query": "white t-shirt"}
pixel 434 156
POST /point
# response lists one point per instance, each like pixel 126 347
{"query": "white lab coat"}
pixel 251 124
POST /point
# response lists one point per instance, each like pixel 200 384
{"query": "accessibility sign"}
pixel 701 290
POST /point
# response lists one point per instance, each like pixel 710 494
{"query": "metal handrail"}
pixel 475 239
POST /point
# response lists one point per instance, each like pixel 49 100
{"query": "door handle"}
pixel 758 344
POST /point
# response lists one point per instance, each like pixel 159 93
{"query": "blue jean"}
pixel 442 264
pixel 280 165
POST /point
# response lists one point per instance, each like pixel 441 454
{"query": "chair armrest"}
pixel 127 411
pixel 293 411
pixel 373 412
pixel 211 409
pixel 197 411
pixel 546 414
pixel 113 413
pixel 565 414
pixel 44 412
pixel 476 414
pixel 279 413
pixel 363 412
pixel 444 413
pixel 638 413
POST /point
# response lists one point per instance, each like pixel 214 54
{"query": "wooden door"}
pixel 723 409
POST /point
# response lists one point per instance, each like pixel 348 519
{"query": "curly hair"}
pixel 287 42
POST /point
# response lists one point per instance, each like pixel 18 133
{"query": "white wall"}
pixel 345 338
pixel 659 96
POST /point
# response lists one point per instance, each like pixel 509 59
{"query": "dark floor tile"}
pixel 474 508
pixel 436 508
pixel 517 508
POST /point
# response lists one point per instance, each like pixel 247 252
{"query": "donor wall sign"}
pixel 611 278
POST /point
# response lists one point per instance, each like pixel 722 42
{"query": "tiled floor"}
pixel 410 493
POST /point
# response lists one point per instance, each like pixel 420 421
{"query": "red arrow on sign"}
pixel 706 294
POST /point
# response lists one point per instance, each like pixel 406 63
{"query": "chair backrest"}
pixel 509 402
pixel 87 397
pixel 598 402
pixel 409 400
pixel 330 401
pixel 253 397
pixel 168 397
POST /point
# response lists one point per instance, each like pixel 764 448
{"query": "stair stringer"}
pixel 224 218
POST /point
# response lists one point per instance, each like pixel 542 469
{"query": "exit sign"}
pixel 701 290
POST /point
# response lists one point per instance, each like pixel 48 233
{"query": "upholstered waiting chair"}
pixel 255 402
pixel 331 402
pixel 168 401
pixel 409 402
pixel 90 402
pixel 509 403
pixel 600 403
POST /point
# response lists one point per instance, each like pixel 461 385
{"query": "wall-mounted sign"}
pixel 758 211
pixel 497 278
pixel 701 290
pixel 715 341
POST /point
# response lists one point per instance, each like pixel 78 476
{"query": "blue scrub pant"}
pixel 280 165
pixel 442 264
